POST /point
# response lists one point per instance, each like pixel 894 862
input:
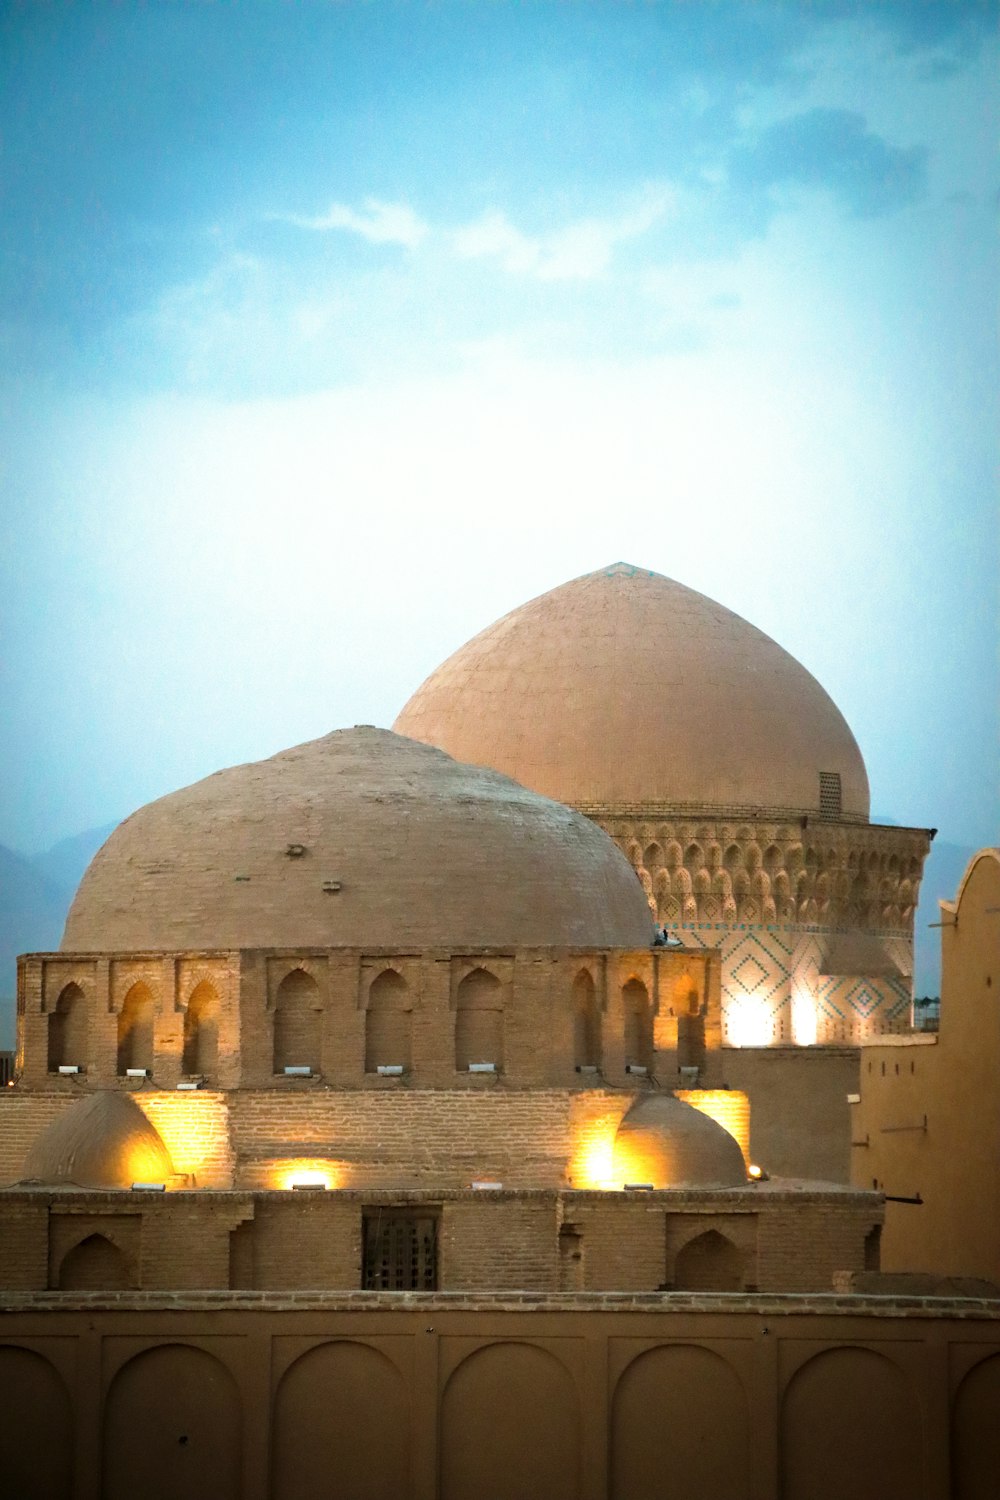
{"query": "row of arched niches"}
pixel 744 878
pixel 515 1418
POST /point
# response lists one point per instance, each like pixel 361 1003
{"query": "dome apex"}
pixel 625 687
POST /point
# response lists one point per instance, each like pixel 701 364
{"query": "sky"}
pixel 330 332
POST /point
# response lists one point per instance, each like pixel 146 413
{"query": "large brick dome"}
pixel 624 687
pixel 361 838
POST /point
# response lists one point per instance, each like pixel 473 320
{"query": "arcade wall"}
pixel 484 1398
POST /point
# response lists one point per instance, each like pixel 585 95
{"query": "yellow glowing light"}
pixel 804 1024
pixel 194 1128
pixel 594 1164
pixel 754 1171
pixel 634 1164
pixel 750 1023
pixel 306 1172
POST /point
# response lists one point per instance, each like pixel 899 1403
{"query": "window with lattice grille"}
pixel 829 794
pixel 400 1251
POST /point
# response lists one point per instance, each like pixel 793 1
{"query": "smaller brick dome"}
pixel 666 1143
pixel 102 1141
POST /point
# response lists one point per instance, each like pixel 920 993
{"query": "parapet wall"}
pixel 264 1397
pixel 764 1237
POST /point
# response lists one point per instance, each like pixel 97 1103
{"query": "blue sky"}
pixel 331 332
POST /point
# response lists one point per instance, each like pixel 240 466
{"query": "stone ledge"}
pixel 726 1303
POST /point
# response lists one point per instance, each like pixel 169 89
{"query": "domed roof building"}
pixel 724 772
pixel 361 1018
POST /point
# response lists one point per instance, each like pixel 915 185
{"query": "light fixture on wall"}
pixel 483 1067
pixel 308 1187
pixel 297 1072
pixel 137 1072
pixel 389 1070
pixel 190 1083
pixel 486 1187
pixel 637 1068
pixel 637 1187
pixel 70 1068
pixel 586 1068
pixel 149 1187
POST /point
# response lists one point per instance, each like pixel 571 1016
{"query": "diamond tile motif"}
pixel 749 974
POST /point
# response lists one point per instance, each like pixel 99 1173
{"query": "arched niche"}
pixel 36 1428
pixel 201 1031
pixel 68 1030
pixel 341 1424
pixel 691 1052
pixel 172 1426
pixel 638 1024
pixel 95 1264
pixel 478 1020
pixel 708 1263
pixel 388 1022
pixel 680 1426
pixel 297 1023
pixel 510 1426
pixel 586 1022
pixel 135 1029
pixel 975 1433
pixel 850 1425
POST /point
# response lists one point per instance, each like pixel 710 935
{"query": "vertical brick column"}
pixel 256 1035
pixel 168 1028
pixel 102 1059
pixel 434 1025
pixel 343 1024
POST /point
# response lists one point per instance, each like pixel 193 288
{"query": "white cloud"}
pixel 379 223
pixel 580 251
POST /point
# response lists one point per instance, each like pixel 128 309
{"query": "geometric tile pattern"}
pixel 773 991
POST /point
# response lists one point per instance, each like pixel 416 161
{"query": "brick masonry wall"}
pixel 487 1240
pixel 398 1138
pixel 511 1242
pixel 800 1122
pixel 194 1127
pixel 535 992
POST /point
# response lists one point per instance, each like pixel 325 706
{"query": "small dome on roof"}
pixel 361 838
pixel 626 687
pixel 665 1143
pixel 102 1141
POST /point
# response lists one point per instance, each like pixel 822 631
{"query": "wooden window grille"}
pixel 400 1251
pixel 829 794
